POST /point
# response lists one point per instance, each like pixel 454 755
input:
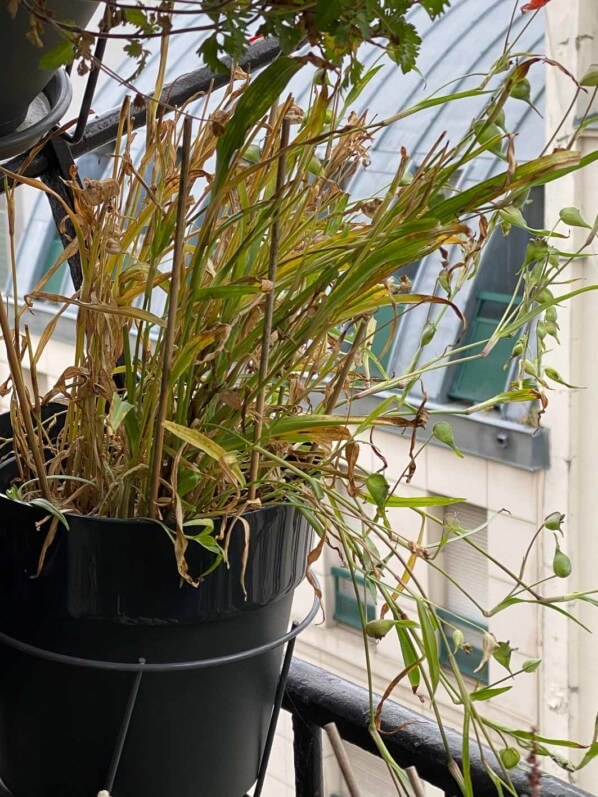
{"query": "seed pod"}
pixel 545 296
pixel 554 521
pixel 458 639
pixel 530 368
pixel 509 757
pixel 428 333
pixel 551 313
pixel 519 348
pixel 537 249
pixel 521 90
pixel 541 330
pixel 500 120
pixel 573 218
pixel 552 329
pixel 443 280
pixel 561 564
pixel 443 432
pixel 377 629
pixel 486 133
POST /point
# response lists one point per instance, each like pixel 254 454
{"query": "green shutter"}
pixel 466 662
pixel 346 607
pixel 56 281
pixel 480 379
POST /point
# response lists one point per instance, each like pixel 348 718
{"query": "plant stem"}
pixel 168 344
pixel 269 311
pixel 21 391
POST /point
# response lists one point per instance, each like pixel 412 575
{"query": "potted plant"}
pixel 159 500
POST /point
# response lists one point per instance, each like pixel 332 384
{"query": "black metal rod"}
pixel 318 697
pixel 307 750
pixel 282 681
pixel 90 90
pixel 104 129
pixel 123 731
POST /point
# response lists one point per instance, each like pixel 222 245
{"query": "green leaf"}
pixel 405 52
pixel 60 55
pixel 443 432
pixel 255 101
pixel 378 489
pixel 487 693
pixel 410 658
pixel 430 643
pixel 502 654
pixel 421 501
pixel 187 481
pixel 119 408
pixel 531 665
pixel 44 504
pixel 359 86
pixel 209 447
pixel 138 18
pixel 590 79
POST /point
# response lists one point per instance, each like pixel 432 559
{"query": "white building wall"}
pixel 570 687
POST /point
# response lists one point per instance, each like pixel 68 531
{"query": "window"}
pixel 469 568
pixel 480 379
pixel 346 607
pixel 387 322
pixel 53 252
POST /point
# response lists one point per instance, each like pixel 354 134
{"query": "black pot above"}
pixel 22 78
pixel 46 110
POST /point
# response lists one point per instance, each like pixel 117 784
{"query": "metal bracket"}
pixel 56 179
pixel 141 666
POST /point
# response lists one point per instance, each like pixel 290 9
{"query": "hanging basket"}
pixel 109 594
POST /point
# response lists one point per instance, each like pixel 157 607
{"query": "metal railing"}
pixel 313 696
pixel 316 697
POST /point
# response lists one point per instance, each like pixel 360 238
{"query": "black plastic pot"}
pixel 110 591
pixel 22 78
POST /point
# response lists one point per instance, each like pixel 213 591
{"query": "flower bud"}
pixel 521 90
pixel 443 432
pixel 428 333
pixel 541 331
pixel 377 629
pixel 519 348
pixel 561 564
pixel 443 280
pixel 509 757
pixel 552 329
pixel 573 218
pixel 458 639
pixel 554 521
pixel 537 249
pixel 545 296
pixel 551 313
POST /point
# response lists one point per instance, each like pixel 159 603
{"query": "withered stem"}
pixel 281 175
pixel 173 298
pixel 16 372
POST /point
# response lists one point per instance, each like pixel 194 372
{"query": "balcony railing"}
pixel 316 698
